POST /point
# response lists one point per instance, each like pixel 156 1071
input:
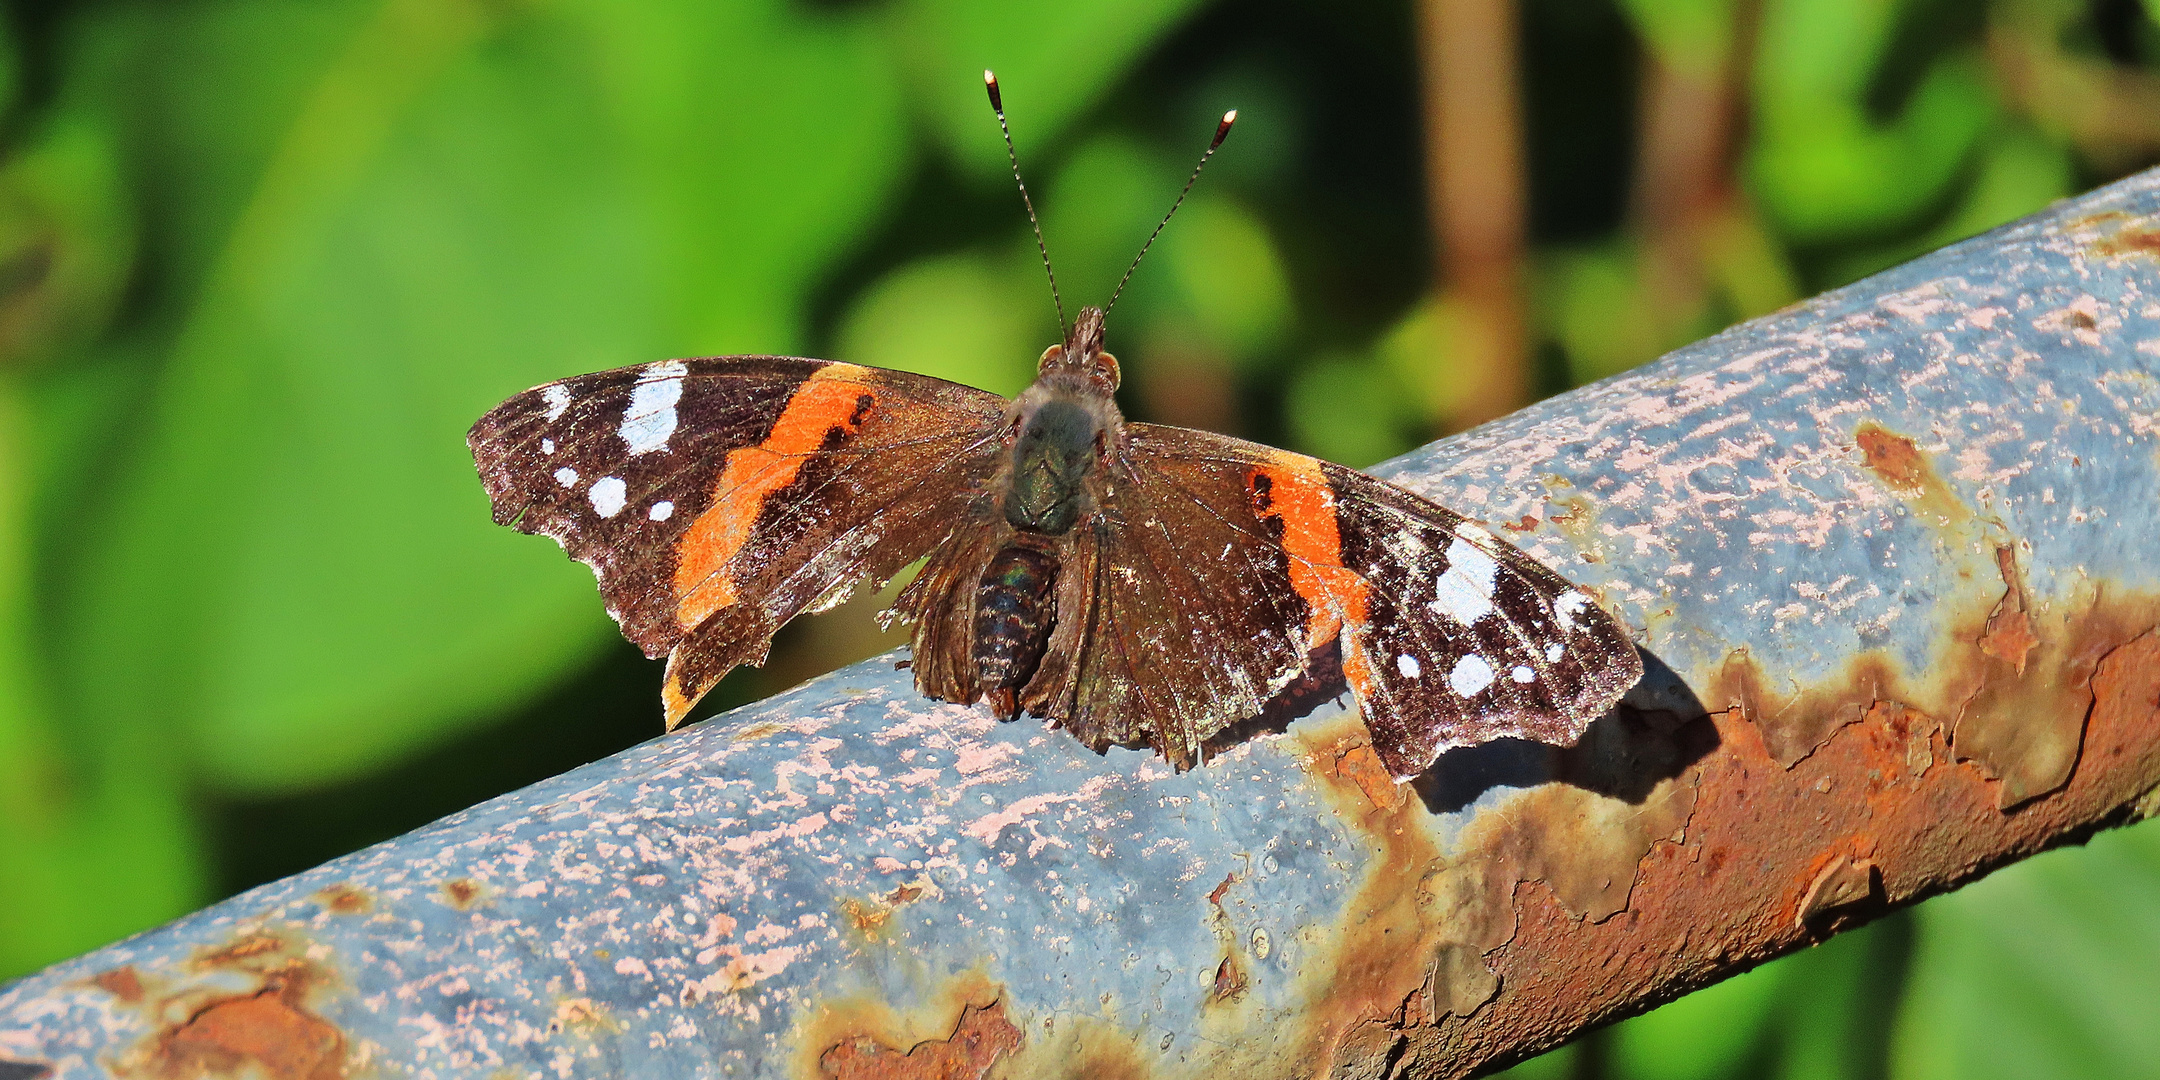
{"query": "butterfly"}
pixel 1138 585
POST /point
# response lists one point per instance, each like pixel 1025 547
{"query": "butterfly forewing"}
pixel 1466 638
pixel 717 498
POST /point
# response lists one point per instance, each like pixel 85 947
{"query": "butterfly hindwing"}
pixel 1219 568
pixel 717 498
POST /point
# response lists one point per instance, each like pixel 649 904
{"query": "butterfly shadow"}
pixel 1657 730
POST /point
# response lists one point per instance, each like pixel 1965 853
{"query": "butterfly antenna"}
pixel 997 105
pixel 1222 131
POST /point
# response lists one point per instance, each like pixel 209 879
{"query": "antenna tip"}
pixel 997 105
pixel 1222 130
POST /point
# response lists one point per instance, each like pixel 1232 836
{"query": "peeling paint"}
pixel 1842 884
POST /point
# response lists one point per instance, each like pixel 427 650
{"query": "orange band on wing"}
pixel 1300 495
pixel 831 398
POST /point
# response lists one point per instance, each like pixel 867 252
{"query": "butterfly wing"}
pixel 717 498
pixel 1219 567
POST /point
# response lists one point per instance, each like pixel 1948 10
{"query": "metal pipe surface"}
pixel 1890 552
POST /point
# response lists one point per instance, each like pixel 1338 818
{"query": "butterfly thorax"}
pixel 1063 429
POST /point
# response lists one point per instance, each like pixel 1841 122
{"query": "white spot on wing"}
pixel 607 496
pixel 661 511
pixel 1408 665
pixel 1464 591
pixel 1567 607
pixel 1471 675
pixel 1553 652
pixel 557 400
pixel 547 446
pixel 650 420
pixel 1523 674
pixel 566 476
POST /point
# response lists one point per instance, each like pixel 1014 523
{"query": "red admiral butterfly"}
pixel 1139 585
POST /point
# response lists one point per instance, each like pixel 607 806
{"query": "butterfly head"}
pixel 1081 358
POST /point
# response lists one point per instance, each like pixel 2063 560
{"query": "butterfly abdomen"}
pixel 1013 613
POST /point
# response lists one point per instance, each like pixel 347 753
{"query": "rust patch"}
pixel 2123 236
pixel 872 916
pixel 1381 958
pixel 270 1030
pixel 982 1036
pixel 1231 978
pixel 865 1033
pixel 1359 764
pixel 763 729
pixel 1838 887
pixel 1575 516
pixel 121 982
pixel 1764 843
pixel 1904 468
pixel 1795 725
pixel 2126 696
pixel 1415 957
pixel 462 893
pixel 1526 524
pixel 344 898
pixel 582 1016
pixel 1893 457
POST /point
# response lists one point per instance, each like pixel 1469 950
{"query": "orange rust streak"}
pixel 703 578
pixel 1313 540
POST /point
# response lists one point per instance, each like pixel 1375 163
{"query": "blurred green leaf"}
pixel 1423 351
pixel 1593 300
pixel 2019 173
pixel 1709 1033
pixel 2049 968
pixel 1819 164
pixel 1096 212
pixel 66 241
pixel 1693 36
pixel 1557 1064
pixel 1224 278
pixel 301 570
pixel 957 317
pixel 1350 411
pixel 1053 61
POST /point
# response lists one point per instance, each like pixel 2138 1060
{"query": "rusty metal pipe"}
pixel 1890 552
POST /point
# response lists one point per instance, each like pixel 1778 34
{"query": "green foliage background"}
pixel 263 261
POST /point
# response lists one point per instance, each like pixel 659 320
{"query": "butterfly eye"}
pixel 1107 374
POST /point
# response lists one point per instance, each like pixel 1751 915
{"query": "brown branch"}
pixel 1475 190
